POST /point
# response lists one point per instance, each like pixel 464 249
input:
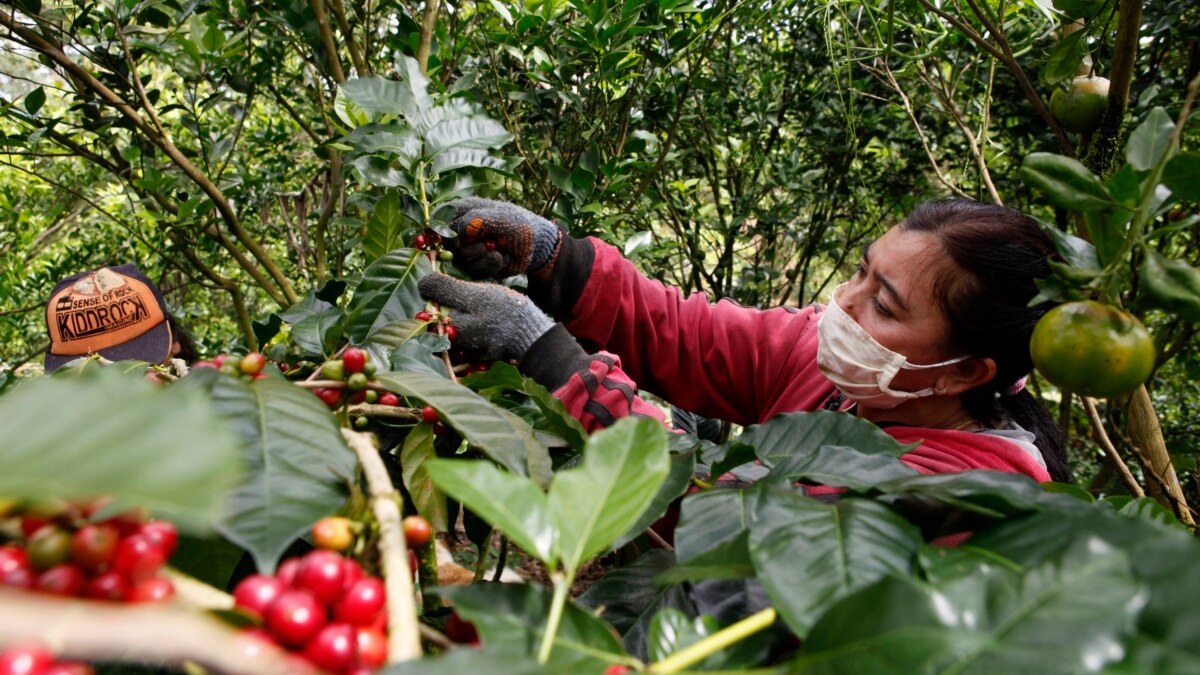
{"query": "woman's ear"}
pixel 968 375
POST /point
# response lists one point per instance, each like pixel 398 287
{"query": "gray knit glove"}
pixel 492 319
pixel 498 239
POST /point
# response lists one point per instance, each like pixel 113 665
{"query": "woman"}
pixel 928 339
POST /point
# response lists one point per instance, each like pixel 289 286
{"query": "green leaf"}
pixel 1067 615
pixel 417 355
pixel 375 94
pixel 507 439
pixel 1065 182
pixel 1079 9
pixel 992 493
pixel 511 503
pixel 384 340
pixel 501 377
pixel 808 554
pixel 1182 176
pixel 415 455
pixel 1075 251
pixel 458 158
pixel 108 433
pixel 385 227
pixel 1172 285
pixel 1149 142
pixel 713 517
pixel 213 40
pixel 315 323
pixel 511 619
pixel 387 293
pixel 394 139
pixel 1064 58
pixel 627 597
pixel 678 480
pixel 672 630
pixel 474 133
pixel 594 504
pixel 941 564
pixel 842 466
pixel 470 661
pixel 265 331
pixel 297 465
pixel 791 434
pixel 34 100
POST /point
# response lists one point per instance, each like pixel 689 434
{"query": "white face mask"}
pixel 858 365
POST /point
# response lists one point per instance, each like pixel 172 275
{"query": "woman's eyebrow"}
pixel 884 281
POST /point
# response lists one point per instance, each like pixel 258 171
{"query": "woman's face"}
pixel 891 297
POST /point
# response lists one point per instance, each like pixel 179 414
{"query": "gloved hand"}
pixel 498 239
pixel 492 319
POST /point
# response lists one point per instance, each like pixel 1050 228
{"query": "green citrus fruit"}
pixel 1092 349
pixel 1080 109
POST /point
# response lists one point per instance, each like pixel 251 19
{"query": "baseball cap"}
pixel 115 312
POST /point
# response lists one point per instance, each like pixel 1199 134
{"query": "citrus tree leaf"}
pixel 1182 175
pixel 415 455
pixel 387 293
pixel 595 503
pixel 809 554
pixel 109 433
pixel 512 503
pixel 511 619
pixel 1065 182
pixel 297 465
pixel 1150 140
pixel 505 438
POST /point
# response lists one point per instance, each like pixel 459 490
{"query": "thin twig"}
pixel 1114 457
pixel 404 639
pixel 658 539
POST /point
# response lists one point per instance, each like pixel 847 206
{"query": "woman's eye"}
pixel 860 269
pixel 879 307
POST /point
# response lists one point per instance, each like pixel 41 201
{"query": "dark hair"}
pixel 187 347
pixel 999 253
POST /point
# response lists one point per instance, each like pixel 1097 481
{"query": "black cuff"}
pixel 571 272
pixel 553 358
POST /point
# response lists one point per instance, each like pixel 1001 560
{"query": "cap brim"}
pixel 153 346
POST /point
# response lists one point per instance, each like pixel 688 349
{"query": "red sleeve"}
pixel 720 360
pixel 944 451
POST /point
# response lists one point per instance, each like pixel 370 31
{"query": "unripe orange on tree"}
pixel 1092 349
pixel 1081 109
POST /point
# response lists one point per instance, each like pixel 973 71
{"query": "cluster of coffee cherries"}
pixel 432 241
pixel 116 559
pixel 435 321
pixel 34 658
pixel 248 367
pixel 355 369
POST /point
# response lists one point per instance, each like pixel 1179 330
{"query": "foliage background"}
pixel 741 149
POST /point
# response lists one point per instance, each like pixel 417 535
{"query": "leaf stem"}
pixel 694 653
pixel 562 585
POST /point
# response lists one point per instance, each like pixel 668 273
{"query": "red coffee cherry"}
pixel 419 241
pixel 65 579
pixel 257 592
pixel 362 602
pixel 423 316
pixel 93 546
pixel 417 531
pixel 295 617
pixel 351 573
pixel 460 631
pixel 334 648
pixel 287 571
pixel 252 363
pixel 353 360
pixel 25 659
pixel 333 533
pixel 108 586
pixel 137 558
pixel 372 647
pixel 321 574
pixel 389 399
pixel 157 589
pixel 428 414
pixel 451 332
pixel 162 534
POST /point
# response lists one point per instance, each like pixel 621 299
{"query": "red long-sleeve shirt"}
pixel 720 360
